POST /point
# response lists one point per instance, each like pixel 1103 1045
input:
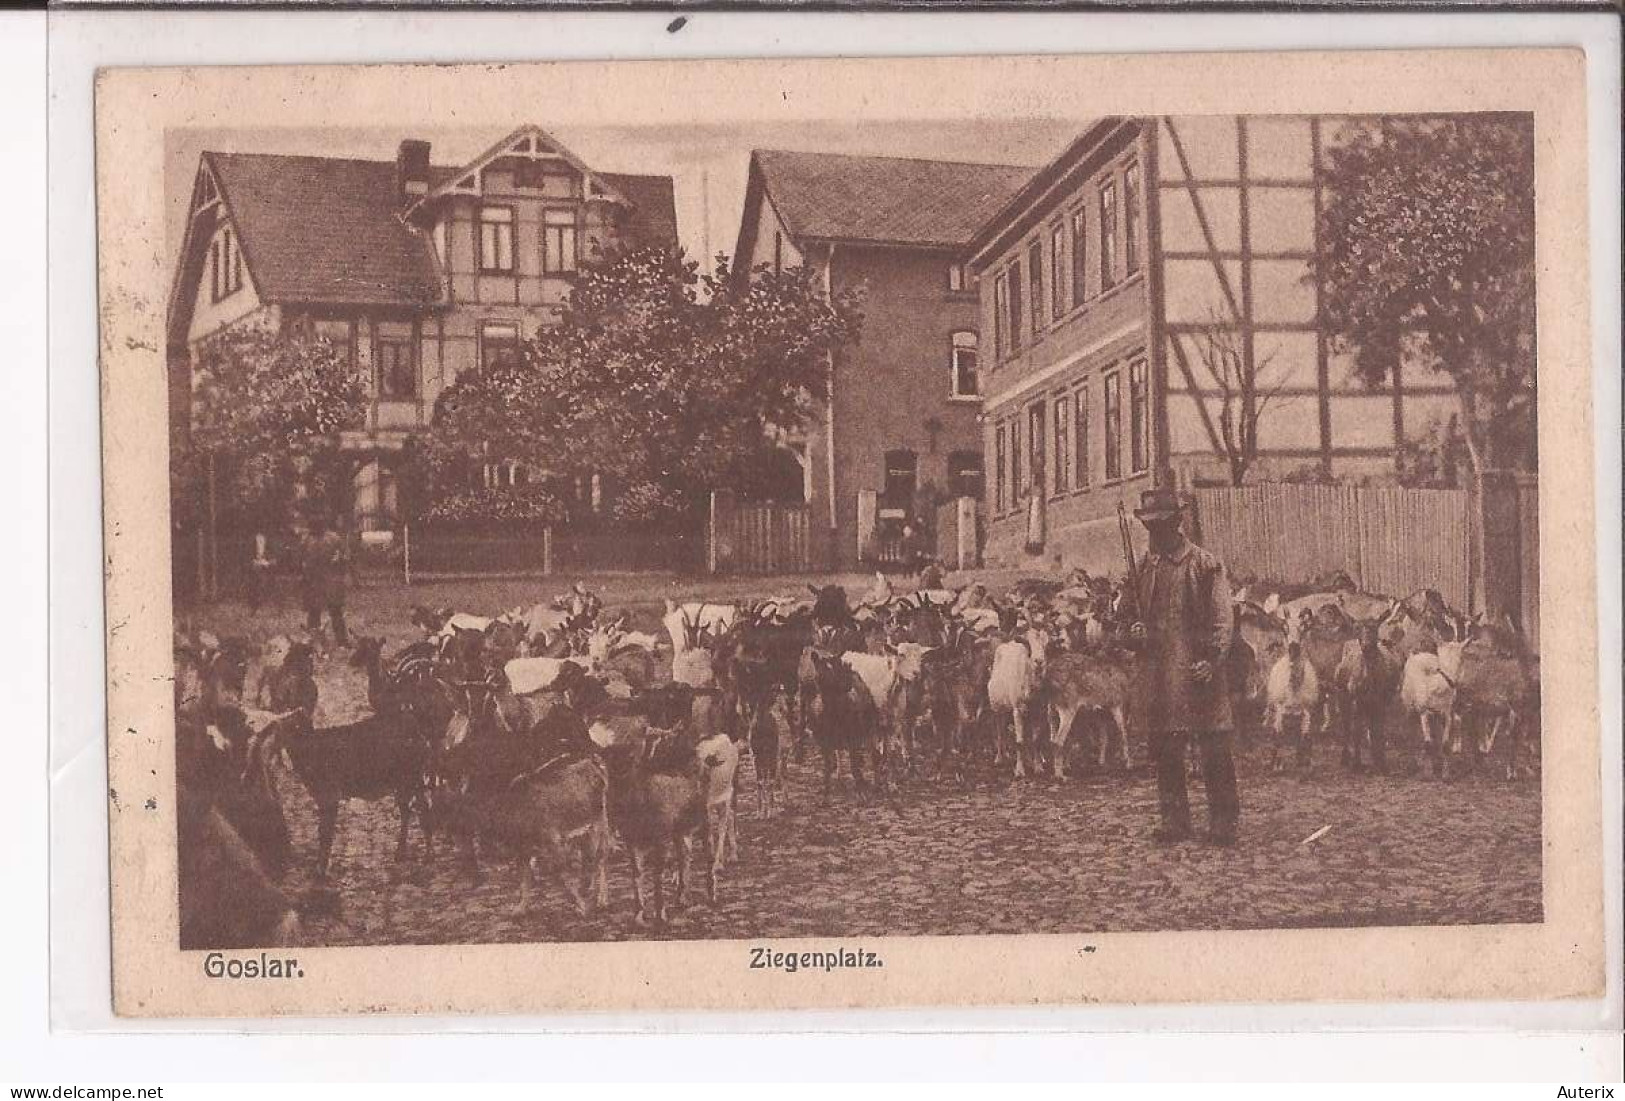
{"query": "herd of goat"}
pixel 554 734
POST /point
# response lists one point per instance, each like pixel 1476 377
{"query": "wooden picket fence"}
pixel 1388 539
pixel 758 538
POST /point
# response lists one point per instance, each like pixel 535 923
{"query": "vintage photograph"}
pixel 810 533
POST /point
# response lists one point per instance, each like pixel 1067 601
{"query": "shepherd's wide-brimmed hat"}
pixel 1158 504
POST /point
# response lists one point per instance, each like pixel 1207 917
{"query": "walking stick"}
pixel 1128 559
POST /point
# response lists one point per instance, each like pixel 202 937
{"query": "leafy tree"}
pixel 1428 255
pixel 267 409
pixel 1434 459
pixel 663 381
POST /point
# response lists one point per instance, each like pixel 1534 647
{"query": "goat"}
pixel 1011 685
pixel 881 678
pixel 1076 684
pixel 841 715
pixel 1428 691
pixel 1367 682
pixel 557 812
pixel 381 755
pixel 764 725
pixel 1494 688
pixel 658 799
pixel 959 696
pixel 1292 691
pixel 688 625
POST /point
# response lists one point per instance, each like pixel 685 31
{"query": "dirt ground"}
pixel 988 856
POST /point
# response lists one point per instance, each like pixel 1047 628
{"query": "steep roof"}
pixel 327 229
pixel 884 200
pixel 653 219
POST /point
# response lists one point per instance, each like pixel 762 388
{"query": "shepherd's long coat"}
pixel 1184 602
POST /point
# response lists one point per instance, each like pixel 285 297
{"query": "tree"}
pixel 1243 395
pixel 267 410
pixel 663 382
pixel 1428 256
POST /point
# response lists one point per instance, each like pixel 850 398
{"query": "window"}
pixel 1080 438
pixel 1063 445
pixel 1001 314
pixel 500 475
pixel 965 474
pixel 225 265
pixel 1131 217
pixel 956 277
pixel 1108 235
pixel 1015 306
pixel 962 366
pixel 338 332
pixel 440 244
pixel 1139 420
pixel 548 178
pixel 1035 273
pixel 778 252
pixel 1000 479
pixel 1017 475
pixel 1057 265
pixel 1035 446
pixel 499 346
pixel 902 469
pixel 1114 426
pixel 393 364
pixel 496 239
pixel 560 248
pixel 1080 256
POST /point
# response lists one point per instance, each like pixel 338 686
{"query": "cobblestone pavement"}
pixel 997 857
pixel 990 856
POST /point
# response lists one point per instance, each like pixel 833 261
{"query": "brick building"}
pixel 1129 287
pixel 900 422
pixel 421 270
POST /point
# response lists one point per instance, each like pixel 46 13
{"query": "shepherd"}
pixel 1182 632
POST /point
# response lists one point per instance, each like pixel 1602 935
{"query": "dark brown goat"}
pixel 378 756
pixel 841 715
pixel 657 804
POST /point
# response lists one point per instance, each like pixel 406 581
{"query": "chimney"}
pixel 412 170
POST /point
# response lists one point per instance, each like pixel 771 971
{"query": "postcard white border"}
pixel 79 920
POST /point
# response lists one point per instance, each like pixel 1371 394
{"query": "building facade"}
pixel 899 428
pixel 421 271
pixel 1149 294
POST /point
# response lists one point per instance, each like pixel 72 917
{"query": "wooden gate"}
pixel 758 538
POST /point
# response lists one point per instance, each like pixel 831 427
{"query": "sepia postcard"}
pixel 768 534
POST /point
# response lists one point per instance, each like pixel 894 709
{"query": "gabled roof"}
pixel 521 140
pixel 317 230
pixel 1104 136
pixel 325 229
pixel 883 200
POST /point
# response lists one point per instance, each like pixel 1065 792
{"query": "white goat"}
pixel 1010 687
pixel 1292 692
pixel 1428 691
pixel 684 622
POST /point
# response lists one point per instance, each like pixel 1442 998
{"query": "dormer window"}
pixel 225 265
